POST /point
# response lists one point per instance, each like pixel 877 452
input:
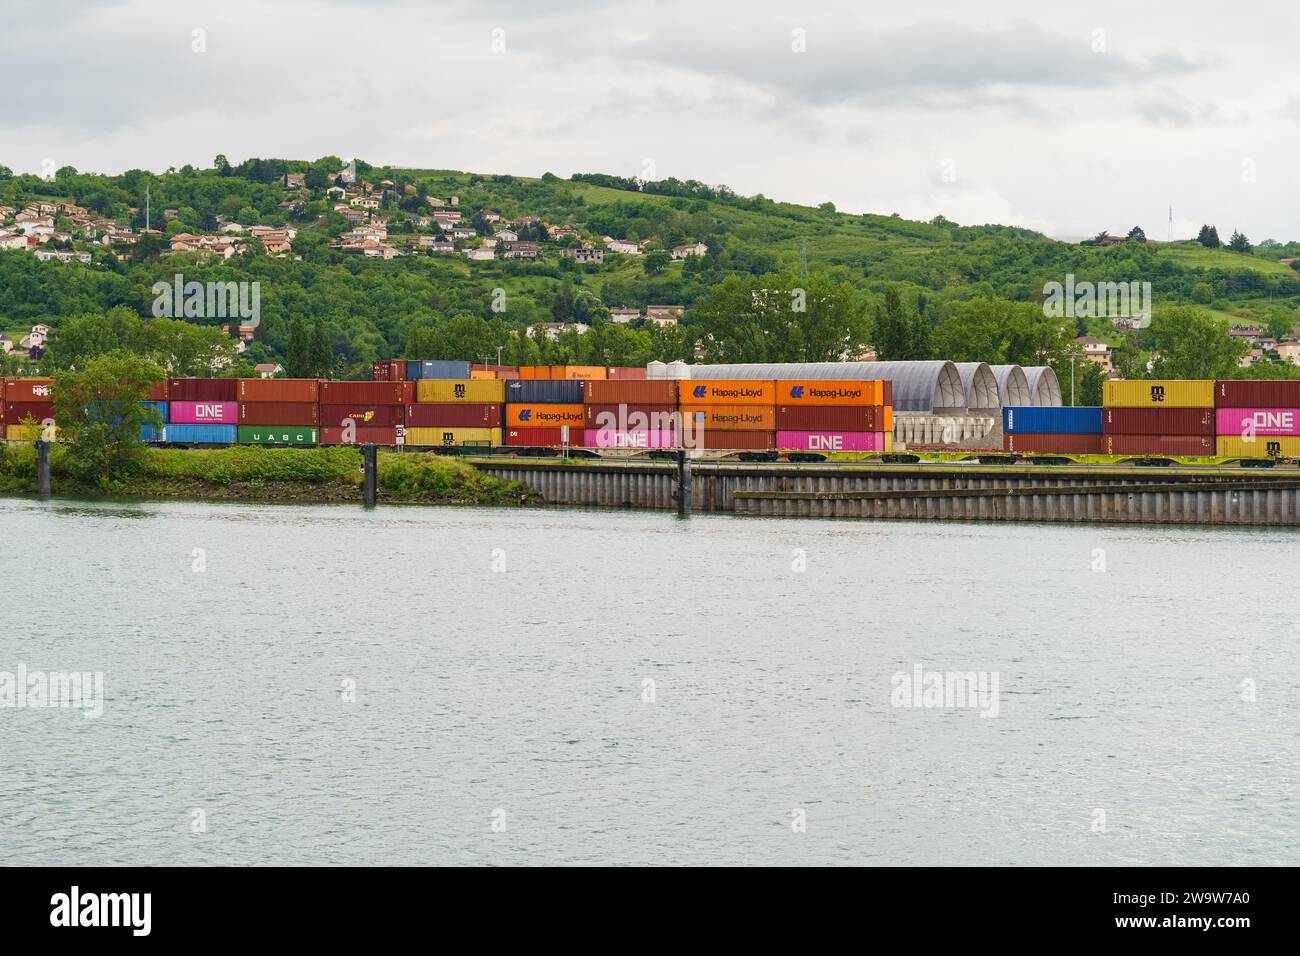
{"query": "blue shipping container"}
pixel 147 431
pixel 545 391
pixel 429 368
pixel 1045 420
pixel 201 434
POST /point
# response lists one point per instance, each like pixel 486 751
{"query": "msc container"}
pixel 183 434
pixel 363 393
pixel 383 416
pixel 1264 446
pixel 18 412
pixel 1169 393
pixel 625 374
pixel 278 435
pixel 1240 422
pixel 1159 445
pixel 423 370
pixel 732 417
pixel 29 390
pixel 1047 420
pixel 460 390
pixel 798 440
pixel 1158 421
pixel 279 413
pixel 832 418
pixel 831 392
pixel 544 416
pixel 279 389
pixel 726 392
pixel 540 390
pixel 1242 394
pixel 360 435
pixel 738 440
pixel 457 415
pixel 637 438
pixel 203 413
pixel 203 389
pixel 541 437
pixel 1077 443
pixel 634 417
pixel 486 437
pixel 632 392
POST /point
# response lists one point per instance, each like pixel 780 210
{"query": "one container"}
pixel 486 437
pixel 544 416
pixel 1158 421
pixel 1241 422
pixel 1264 446
pixel 727 392
pixel 378 415
pixel 462 415
pixel 364 393
pixel 732 417
pixel 632 392
pixel 542 390
pixel 460 390
pixel 425 369
pixel 794 440
pixel 184 434
pixel 1046 420
pixel 631 417
pixel 1157 445
pixel 541 437
pixel 738 440
pixel 361 435
pixel 278 435
pixel 1077 443
pixel 203 413
pixel 832 392
pixel 279 389
pixel 279 413
pixel 1242 394
pixel 835 418
pixel 29 390
pixel 203 389
pixel 642 438
pixel 1169 393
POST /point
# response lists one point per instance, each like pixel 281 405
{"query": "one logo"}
pixel 525 414
pixel 460 391
pixel 1157 393
pixel 796 391
pixel 700 390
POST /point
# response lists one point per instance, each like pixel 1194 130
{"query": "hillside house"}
pixel 664 314
pixel 624 315
pixel 1096 351
pixel 622 247
pixel 691 249
pixel 584 254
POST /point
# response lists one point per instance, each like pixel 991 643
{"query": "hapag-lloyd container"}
pixel 830 441
pixel 629 417
pixel 1077 443
pixel 835 418
pixel 457 415
pixel 183 434
pixel 278 413
pixel 1050 420
pixel 1240 422
pixel 832 392
pixel 457 437
pixel 377 415
pixel 632 392
pixel 732 417
pixel 642 438
pixel 726 392
pixel 476 391
pixel 203 389
pixel 541 437
pixel 1156 445
pixel 1169 393
pixel 359 435
pixel 1158 421
pixel 365 393
pixel 1264 446
pixel 203 413
pixel 1243 394
pixel 545 416
pixel 279 389
pixel 278 435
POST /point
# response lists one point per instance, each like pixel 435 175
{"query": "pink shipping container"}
pixel 830 441
pixel 1236 422
pixel 609 438
pixel 203 413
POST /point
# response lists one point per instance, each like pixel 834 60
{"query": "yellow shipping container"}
pixel 1170 393
pixel 453 436
pixel 30 433
pixel 480 390
pixel 889 440
pixel 1264 446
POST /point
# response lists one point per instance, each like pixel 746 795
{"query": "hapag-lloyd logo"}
pixel 738 391
pixel 813 391
pixel 212 300
pixel 525 414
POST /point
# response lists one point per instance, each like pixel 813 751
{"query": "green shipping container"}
pixel 278 435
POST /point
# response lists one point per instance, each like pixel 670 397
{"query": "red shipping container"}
pixel 365 393
pixel 541 437
pixel 1158 445
pixel 380 416
pixel 740 440
pixel 626 374
pixel 203 390
pixel 18 412
pixel 629 416
pixel 833 418
pixel 619 392
pixel 453 415
pixel 361 435
pixel 279 390
pixel 29 389
pixel 160 392
pixel 1245 394
pixel 1157 421
pixel 1054 444
pixel 393 370
pixel 278 413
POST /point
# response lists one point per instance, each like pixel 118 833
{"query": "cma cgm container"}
pixel 1157 445
pixel 461 390
pixel 726 392
pixel 831 392
pixel 1061 444
pixel 203 413
pixel 637 438
pixel 279 413
pixel 1235 394
pixel 183 434
pixel 422 370
pixel 1242 422
pixel 1170 393
pixel 1046 420
pixel 633 417
pixel 1275 446
pixel 460 415
pixel 835 418
pixel 29 390
pixel 458 437
pixel 378 415
pixel 279 390
pixel 278 435
pixel 632 392
pixel 544 416
pixel 364 393
pixel 360 435
pixel 556 393
pixel 1157 421
pixel 738 440
pixel 732 417
pixel 204 389
pixel 794 440
pixel 541 437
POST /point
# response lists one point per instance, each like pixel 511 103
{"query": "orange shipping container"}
pixel 585 373
pixel 732 417
pixel 482 373
pixel 632 392
pixel 279 390
pixel 726 392
pixel 541 415
pixel 829 392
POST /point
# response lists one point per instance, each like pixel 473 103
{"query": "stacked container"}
pixel 392 370
pixel 1257 419
pixel 626 413
pixel 456 412
pixel 724 413
pixel 538 411
pixel 203 411
pixel 1047 430
pixel 419 370
pixel 26 398
pixel 827 416
pixel 279 411
pixel 363 413
pixel 1158 418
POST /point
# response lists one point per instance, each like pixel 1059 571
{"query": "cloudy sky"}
pixel 1073 121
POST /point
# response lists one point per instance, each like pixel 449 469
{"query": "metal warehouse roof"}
pixel 979 385
pixel 1044 389
pixel 1013 387
pixel 918 386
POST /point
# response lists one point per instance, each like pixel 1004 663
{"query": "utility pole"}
pixel 146 207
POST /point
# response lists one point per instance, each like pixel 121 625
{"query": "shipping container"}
pixel 203 389
pixel 824 441
pixel 1078 443
pixel 726 392
pixel 528 373
pixel 460 437
pixel 480 374
pixel 533 392
pixel 279 390
pixel 382 416
pixel 393 370
pixel 425 369
pixel 732 417
pixel 1048 420
pixel 1158 421
pixel 1242 422
pixel 183 434
pixel 541 437
pixel 21 432
pixel 832 418
pixel 476 391
pixel 18 412
pixel 1159 445
pixel 626 375
pixel 280 413
pixel 1244 394
pixel 358 435
pixel 631 417
pixel 160 392
pixel 738 440
pixel 1264 446
pixel 544 416
pixel 364 393
pixel 632 392
pixel 278 435
pixel 586 373
pixel 457 415
pixel 832 392
pixel 1169 393
pixel 638 438
pixel 29 390
pixel 203 413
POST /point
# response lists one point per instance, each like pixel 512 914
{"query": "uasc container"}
pixel 544 416
pixel 278 435
pixel 1169 393
pixel 445 391
pixel 726 392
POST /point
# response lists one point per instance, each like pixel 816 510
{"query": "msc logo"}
pixel 460 391
pixel 1274 449
pixel 525 414
pixel 796 391
pixel 700 391
pixel 1157 393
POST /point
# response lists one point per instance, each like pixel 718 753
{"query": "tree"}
pixel 321 353
pixel 900 334
pixel 1137 235
pixel 562 304
pixel 656 261
pixel 297 361
pixel 1208 237
pixel 1238 242
pixel 1191 343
